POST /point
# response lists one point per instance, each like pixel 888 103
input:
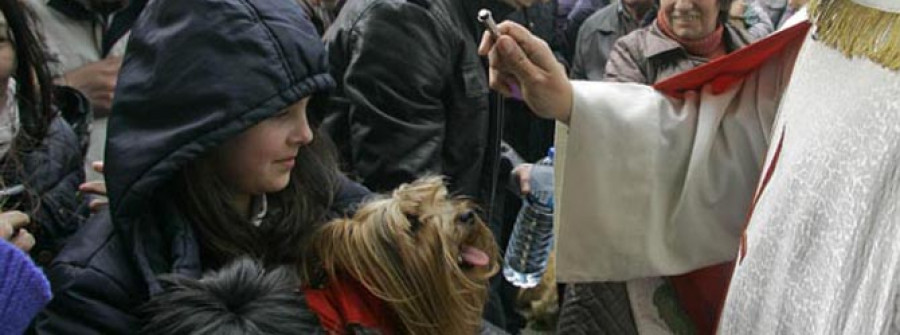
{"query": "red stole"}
pixel 344 302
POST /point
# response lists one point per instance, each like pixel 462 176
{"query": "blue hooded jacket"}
pixel 196 73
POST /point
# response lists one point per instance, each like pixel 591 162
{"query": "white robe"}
pixel 823 244
pixel 655 185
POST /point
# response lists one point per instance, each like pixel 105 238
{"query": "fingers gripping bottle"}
pixel 532 237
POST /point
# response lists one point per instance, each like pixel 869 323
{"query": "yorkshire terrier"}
pixel 425 255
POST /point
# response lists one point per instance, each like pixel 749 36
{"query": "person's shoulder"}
pixel 62 135
pixel 393 19
pixel 95 251
pixel 61 148
pixel 737 38
pixel 603 20
pixel 386 27
pixel 636 41
pixel 379 8
pixel 96 288
pixel 641 33
pixel 647 42
pixel 349 195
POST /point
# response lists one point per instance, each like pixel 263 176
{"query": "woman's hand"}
pixel 12 230
pixel 523 173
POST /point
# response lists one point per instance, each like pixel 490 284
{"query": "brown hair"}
pixel 33 84
pixel 34 97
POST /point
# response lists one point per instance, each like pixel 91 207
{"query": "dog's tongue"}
pixel 475 256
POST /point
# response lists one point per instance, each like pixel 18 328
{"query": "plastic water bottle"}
pixel 532 236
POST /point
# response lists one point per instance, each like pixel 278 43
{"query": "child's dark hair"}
pixel 240 298
pixel 34 98
pixel 34 85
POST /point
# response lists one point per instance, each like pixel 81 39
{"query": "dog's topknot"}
pixel 420 195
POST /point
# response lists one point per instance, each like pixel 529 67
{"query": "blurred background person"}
pixel 751 17
pixel 87 38
pixel 601 31
pixel 43 133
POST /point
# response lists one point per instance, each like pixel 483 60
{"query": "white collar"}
pixel 259 206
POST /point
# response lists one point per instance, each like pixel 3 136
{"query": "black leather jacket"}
pixel 412 94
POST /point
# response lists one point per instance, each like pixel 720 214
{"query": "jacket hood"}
pixel 197 72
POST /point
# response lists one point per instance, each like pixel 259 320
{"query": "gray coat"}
pixel 597 37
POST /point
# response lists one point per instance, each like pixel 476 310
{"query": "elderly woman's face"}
pixel 691 19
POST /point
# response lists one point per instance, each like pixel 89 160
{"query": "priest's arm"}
pixel 654 184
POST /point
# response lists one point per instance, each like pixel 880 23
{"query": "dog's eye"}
pixel 467 217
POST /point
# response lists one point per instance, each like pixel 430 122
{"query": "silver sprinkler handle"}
pixel 487 19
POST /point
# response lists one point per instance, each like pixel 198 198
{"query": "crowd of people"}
pixel 356 166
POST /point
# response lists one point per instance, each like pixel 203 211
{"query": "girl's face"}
pixel 691 19
pixel 260 159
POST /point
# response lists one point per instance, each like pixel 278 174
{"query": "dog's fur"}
pixel 407 250
pixel 241 298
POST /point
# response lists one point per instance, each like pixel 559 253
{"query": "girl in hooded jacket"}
pixel 209 157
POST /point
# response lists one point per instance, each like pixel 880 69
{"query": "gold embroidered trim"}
pixel 858 31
